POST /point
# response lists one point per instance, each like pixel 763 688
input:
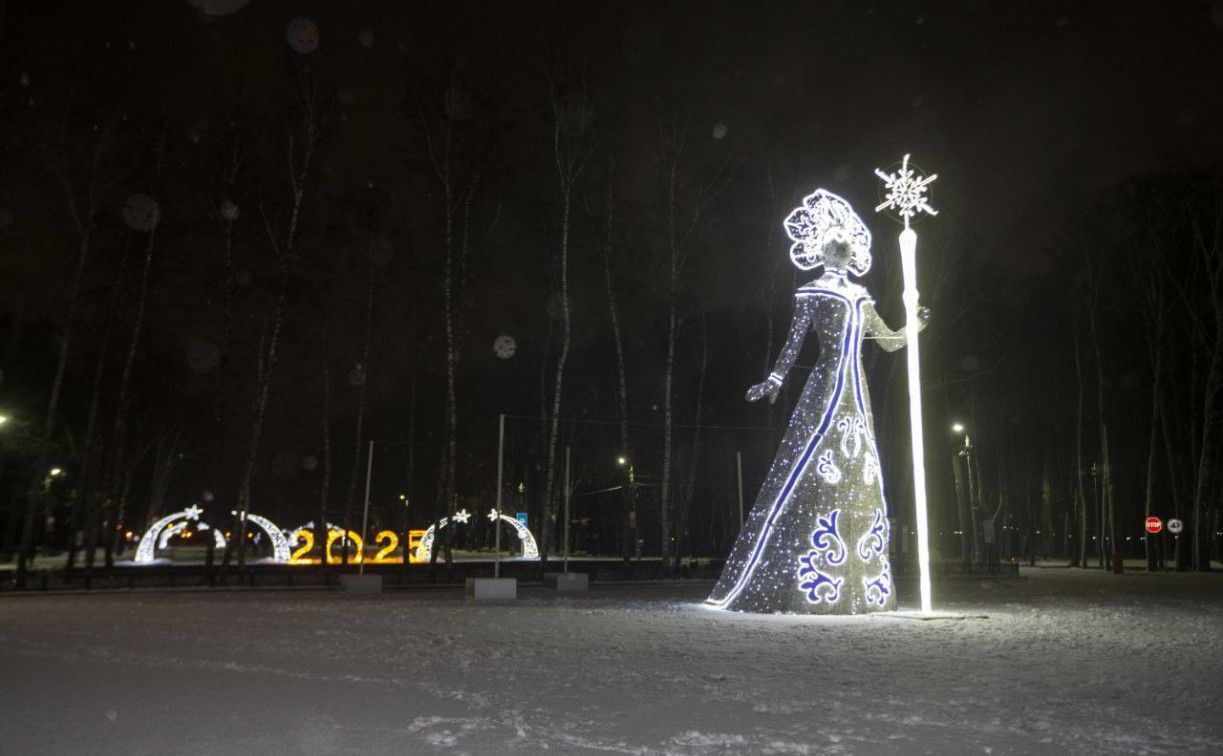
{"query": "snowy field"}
pixel 1056 662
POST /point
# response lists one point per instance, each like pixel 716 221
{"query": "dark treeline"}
pixel 217 286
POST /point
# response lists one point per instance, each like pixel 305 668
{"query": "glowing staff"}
pixel 906 194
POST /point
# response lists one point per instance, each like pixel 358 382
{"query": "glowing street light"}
pixel 56 472
pixel 958 427
pixel 3 419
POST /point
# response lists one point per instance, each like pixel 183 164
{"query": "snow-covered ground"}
pixel 1059 661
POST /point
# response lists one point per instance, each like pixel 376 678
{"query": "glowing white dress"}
pixel 816 541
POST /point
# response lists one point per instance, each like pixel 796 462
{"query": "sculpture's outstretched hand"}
pixel 765 388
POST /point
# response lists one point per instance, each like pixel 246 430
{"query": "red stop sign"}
pixel 1154 525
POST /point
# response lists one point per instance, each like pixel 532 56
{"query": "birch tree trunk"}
pixel 1079 559
pixel 92 495
pixel 119 473
pixel 679 237
pixel 81 215
pixel 457 181
pixel 572 112
pixel 683 538
pixel 628 491
pixel 359 438
pixel 324 496
pixel 1208 235
pixel 306 133
pixel 1105 527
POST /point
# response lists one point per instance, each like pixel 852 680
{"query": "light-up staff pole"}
pixel 906 194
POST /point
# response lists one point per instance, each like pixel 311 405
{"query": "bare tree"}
pixel 1206 227
pixel 572 112
pixel 361 374
pixel 119 472
pixel 455 151
pixel 301 140
pixel 1150 284
pixel 86 182
pixel 684 217
pixel 1079 557
pixel 688 489
pixel 607 253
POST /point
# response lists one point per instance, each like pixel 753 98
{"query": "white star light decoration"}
pixel 461 516
pixel 906 191
pixel 493 515
pixel 193 512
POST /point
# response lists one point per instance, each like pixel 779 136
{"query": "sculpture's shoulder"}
pixel 833 286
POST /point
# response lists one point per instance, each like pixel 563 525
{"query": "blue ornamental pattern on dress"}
pixel 828 469
pixel 873 542
pixel 830 549
pixel 879 588
pixel 825 538
pixel 812 581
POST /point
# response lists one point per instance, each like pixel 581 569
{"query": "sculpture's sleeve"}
pixel 794 341
pixel 879 332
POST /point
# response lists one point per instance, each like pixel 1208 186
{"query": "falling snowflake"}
pixel 141 212
pixel 906 191
pixel 505 347
pixel 302 35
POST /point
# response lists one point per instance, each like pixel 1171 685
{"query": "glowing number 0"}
pixel 334 535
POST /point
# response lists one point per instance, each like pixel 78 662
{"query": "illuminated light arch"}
pixel 530 550
pixel 153 538
pixel 280 544
pixel 306 533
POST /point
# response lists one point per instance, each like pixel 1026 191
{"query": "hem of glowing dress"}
pixel 852 327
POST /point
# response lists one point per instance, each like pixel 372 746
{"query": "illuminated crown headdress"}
pixel 810 225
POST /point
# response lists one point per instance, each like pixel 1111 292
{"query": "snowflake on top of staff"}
pixel 906 191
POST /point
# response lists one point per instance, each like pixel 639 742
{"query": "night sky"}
pixel 1027 111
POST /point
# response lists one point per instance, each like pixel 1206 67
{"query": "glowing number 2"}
pixel 392 544
pixel 307 539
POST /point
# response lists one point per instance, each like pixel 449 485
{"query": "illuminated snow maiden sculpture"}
pixel 816 541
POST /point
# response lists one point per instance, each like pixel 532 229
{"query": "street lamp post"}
pixel 974 486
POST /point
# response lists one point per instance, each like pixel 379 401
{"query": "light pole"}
pixel 630 497
pixel 973 489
